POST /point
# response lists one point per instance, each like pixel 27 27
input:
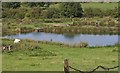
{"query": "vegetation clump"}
pixel 83 44
pixel 31 49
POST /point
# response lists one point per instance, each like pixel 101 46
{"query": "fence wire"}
pixel 92 71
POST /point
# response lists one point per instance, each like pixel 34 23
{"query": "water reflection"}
pixel 91 39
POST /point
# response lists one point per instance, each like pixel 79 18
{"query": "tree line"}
pixel 52 10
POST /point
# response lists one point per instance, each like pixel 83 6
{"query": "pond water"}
pixel 91 39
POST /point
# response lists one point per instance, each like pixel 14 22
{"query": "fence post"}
pixel 66 66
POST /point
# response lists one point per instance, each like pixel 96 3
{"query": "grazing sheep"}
pixel 16 40
pixel 6 47
pixel 3 47
pixel 9 48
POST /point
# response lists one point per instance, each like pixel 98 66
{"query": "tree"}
pixel 48 13
pixel 71 9
pixel 11 4
pixel 36 4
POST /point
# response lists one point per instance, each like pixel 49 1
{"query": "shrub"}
pixel 83 44
pixel 47 14
pixel 35 12
pixel 97 12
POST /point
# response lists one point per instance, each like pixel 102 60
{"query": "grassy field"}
pixel 31 55
pixel 104 5
pixel 100 5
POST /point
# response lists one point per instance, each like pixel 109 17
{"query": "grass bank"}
pixel 29 55
pixel 80 25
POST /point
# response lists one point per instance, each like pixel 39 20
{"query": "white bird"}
pixel 16 40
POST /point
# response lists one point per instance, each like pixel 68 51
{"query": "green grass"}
pixel 100 5
pixel 81 58
pixel 0 61
pixel 92 5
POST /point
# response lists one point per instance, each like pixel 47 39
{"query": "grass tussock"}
pixel 32 48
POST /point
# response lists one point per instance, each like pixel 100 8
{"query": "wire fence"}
pixel 92 71
pixel 67 67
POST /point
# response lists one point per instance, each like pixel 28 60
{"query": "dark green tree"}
pixel 38 4
pixel 11 4
pixel 71 9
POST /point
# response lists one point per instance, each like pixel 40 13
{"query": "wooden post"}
pixel 66 66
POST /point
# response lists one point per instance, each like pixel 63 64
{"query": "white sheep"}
pixel 16 40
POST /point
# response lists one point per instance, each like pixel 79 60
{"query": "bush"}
pixel 11 4
pixel 71 9
pixel 97 12
pixel 14 13
pixel 83 44
pixel 47 13
pixel 35 13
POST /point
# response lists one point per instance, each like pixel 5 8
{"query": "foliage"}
pixel 83 44
pixel 18 13
pixel 11 4
pixel 71 9
pixel 97 12
pixel 37 10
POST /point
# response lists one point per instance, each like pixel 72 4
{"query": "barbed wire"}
pixel 106 69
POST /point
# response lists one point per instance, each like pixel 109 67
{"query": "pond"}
pixel 91 39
